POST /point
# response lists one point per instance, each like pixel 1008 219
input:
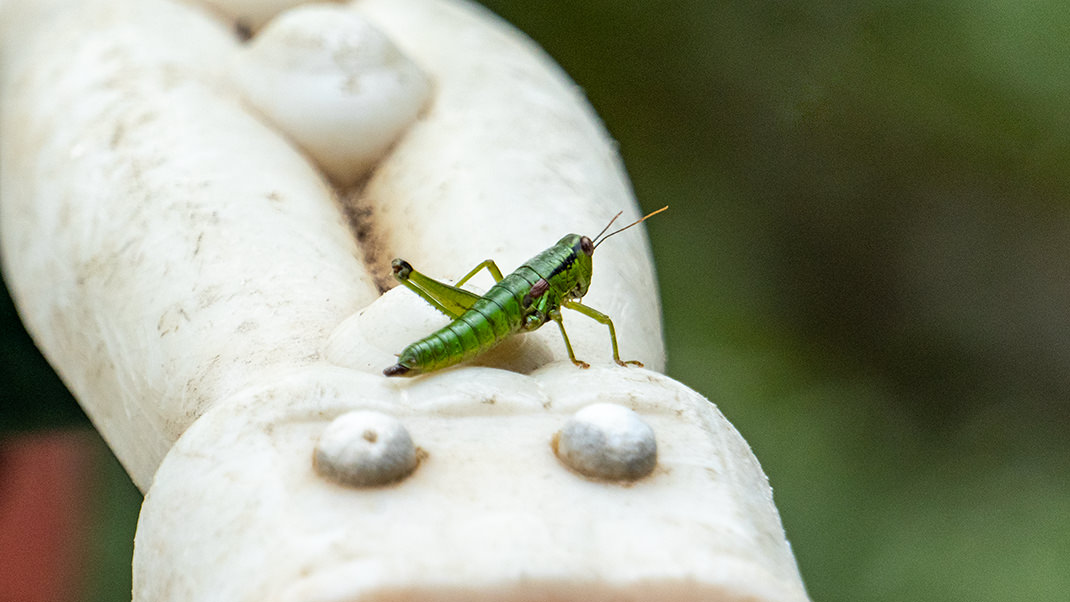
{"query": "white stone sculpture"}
pixel 197 230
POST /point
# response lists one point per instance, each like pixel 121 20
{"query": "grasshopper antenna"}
pixel 638 221
pixel 608 225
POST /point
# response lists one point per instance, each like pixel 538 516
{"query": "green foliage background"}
pixel 866 266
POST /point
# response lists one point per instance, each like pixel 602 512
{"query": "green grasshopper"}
pixel 520 302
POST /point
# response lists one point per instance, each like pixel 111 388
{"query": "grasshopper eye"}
pixel 587 246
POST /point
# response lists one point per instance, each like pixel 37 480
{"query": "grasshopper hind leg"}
pixel 450 300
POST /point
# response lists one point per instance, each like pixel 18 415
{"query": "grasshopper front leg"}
pixel 555 315
pixel 601 318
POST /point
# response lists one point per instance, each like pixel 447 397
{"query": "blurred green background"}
pixel 866 266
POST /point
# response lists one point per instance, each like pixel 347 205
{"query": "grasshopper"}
pixel 520 302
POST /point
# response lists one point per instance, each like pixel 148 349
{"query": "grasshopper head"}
pixel 578 273
pixel 575 274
